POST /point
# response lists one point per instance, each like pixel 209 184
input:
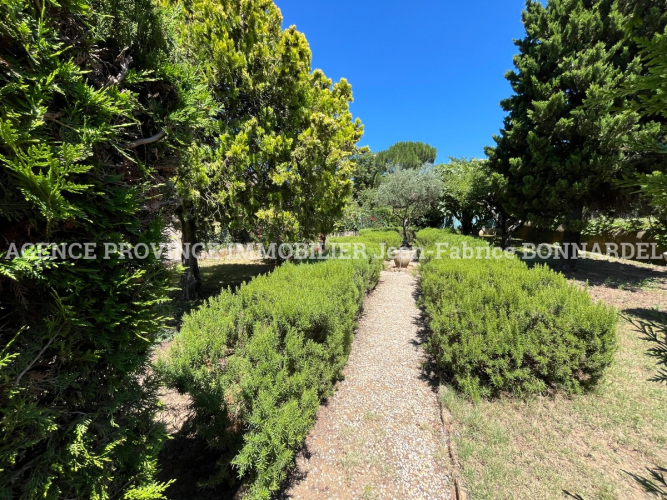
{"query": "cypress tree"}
pixel 279 160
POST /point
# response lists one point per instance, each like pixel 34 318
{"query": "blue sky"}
pixel 421 70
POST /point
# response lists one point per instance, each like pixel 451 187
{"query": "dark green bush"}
pixel 79 82
pixel 257 364
pixel 498 326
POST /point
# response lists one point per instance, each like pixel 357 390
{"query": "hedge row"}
pixel 499 326
pixel 258 363
pixel 374 242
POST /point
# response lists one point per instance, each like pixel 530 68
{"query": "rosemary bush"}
pixel 498 326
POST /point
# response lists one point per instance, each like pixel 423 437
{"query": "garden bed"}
pixel 588 445
pixel 257 363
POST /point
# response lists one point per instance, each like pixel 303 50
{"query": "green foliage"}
pixel 643 95
pixel 371 169
pixel 376 242
pixel 81 82
pixel 364 212
pixel 610 226
pixel 366 173
pixel 371 230
pixel 405 155
pixel 467 187
pixel 558 155
pixel 410 194
pixel 498 326
pixel 280 159
pixel 374 169
pixel 258 363
pixel 429 237
pixel 653 188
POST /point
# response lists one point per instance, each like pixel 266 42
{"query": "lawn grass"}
pixel 585 445
pixel 216 275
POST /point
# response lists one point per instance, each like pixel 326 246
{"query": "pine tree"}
pixel 407 155
pixel 559 156
pixel 645 95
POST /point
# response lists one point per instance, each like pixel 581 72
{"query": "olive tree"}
pixel 410 194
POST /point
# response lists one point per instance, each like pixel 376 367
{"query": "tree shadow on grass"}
pixel 655 483
pixel 619 274
pixel 646 314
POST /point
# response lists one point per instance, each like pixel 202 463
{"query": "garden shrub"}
pixel 369 230
pixel 376 243
pixel 429 237
pixel 498 326
pixel 258 363
pixel 80 81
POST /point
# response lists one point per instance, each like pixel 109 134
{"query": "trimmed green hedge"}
pixel 429 237
pixel 258 363
pixel 498 326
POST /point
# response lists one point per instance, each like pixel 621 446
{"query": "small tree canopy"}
pixel 406 155
pixel 467 187
pixel 410 194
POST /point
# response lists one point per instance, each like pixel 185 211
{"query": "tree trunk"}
pixel 507 231
pixel 467 228
pixel 406 242
pixel 571 242
pixel 191 284
pixel 502 220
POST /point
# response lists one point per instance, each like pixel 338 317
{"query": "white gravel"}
pixel 381 434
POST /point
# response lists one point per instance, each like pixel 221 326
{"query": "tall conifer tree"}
pixel 559 156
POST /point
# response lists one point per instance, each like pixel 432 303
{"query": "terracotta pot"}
pixel 402 257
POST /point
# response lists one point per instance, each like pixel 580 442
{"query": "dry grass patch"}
pixel 585 445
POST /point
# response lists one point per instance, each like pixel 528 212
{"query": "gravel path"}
pixel 381 434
